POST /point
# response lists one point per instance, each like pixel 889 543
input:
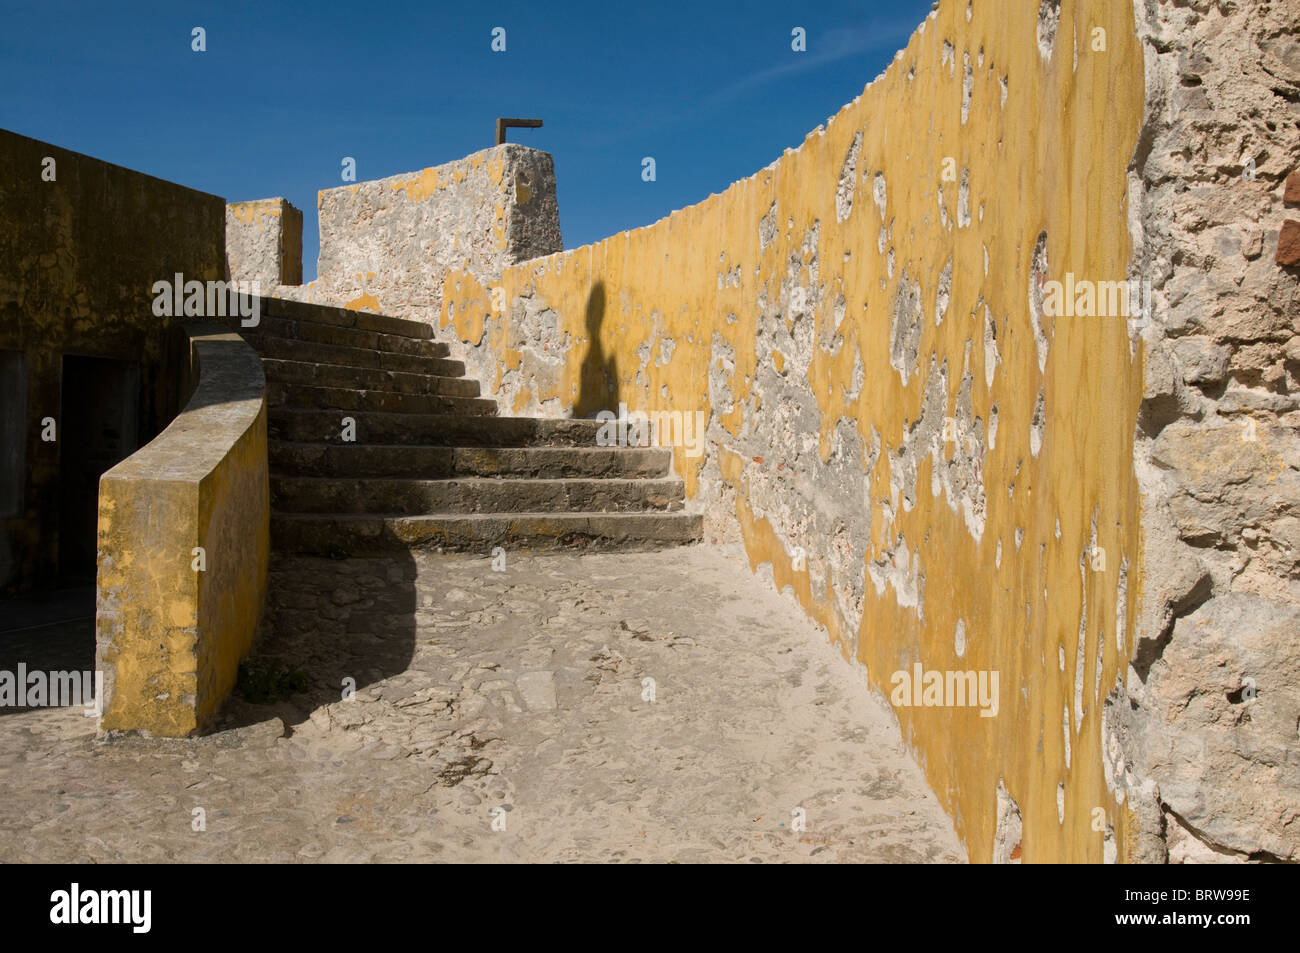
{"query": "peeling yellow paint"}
pixel 365 302
pixel 1051 160
pixel 419 188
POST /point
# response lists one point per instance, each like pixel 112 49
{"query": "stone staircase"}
pixel 432 465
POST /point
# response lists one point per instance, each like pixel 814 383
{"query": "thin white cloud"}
pixel 823 48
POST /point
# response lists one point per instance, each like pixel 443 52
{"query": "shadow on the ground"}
pixel 51 631
pixel 329 626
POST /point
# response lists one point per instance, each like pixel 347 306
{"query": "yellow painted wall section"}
pixel 256 213
pixel 235 527
pixel 147 627
pixel 1042 143
pixel 170 630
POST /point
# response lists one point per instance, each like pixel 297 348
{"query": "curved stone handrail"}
pixel 184 543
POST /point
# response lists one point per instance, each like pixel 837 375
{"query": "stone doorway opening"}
pixel 100 424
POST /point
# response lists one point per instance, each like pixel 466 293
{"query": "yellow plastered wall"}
pixel 1043 142
pixel 184 550
pixel 147 629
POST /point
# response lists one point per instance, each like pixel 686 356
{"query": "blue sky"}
pixel 284 91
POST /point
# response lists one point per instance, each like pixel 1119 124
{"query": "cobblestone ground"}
pixel 482 698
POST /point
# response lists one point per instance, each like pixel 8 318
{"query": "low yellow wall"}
pixel 184 544
pixel 831 314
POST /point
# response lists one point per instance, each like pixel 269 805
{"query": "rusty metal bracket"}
pixel 504 124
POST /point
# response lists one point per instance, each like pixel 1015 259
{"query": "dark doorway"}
pixel 13 433
pixel 13 465
pixel 99 426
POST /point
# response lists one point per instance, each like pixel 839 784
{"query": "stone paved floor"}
pixel 484 696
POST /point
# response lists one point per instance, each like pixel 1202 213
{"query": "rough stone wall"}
pixel 264 242
pixel 386 245
pixel 78 258
pixel 898 429
pixel 1204 738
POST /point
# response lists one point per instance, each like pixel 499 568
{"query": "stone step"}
pixel 432 463
pixel 344 318
pixel 366 378
pixel 473 495
pixel 341 337
pixel 367 535
pixel 304 396
pixel 430 430
pixel 287 349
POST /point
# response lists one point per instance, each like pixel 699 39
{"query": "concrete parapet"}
pixel 184 542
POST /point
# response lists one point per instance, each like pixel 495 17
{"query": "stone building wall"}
pixel 1204 735
pixel 82 242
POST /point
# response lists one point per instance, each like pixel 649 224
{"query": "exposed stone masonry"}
pixel 1206 737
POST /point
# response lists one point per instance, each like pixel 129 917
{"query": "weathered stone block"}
pixel 1226 691
pixel 264 243
pixel 1203 361
pixel 386 245
pixel 1288 244
pixel 1291 191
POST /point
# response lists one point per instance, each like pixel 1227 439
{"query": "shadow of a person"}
pixel 598 381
